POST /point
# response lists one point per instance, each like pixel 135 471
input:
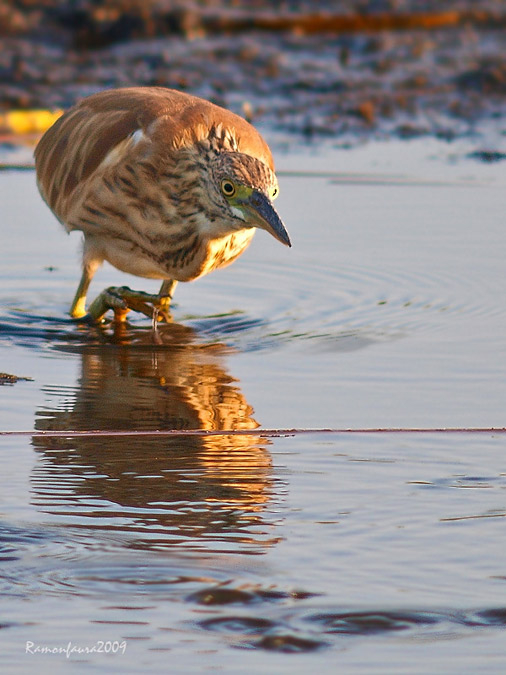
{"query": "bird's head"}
pixel 247 188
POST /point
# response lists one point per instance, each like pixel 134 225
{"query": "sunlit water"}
pixel 253 552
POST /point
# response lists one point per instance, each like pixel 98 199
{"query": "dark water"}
pixel 247 552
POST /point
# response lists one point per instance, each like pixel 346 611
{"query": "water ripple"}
pixel 303 630
pixel 341 306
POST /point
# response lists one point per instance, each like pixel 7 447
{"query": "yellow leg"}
pixel 165 295
pixel 78 307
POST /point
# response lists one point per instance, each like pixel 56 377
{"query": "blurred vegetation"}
pixel 94 23
pixel 334 68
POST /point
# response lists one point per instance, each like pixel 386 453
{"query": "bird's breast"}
pixel 224 250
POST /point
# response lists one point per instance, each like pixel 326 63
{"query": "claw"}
pixel 123 299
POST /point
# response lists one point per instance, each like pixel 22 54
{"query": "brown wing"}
pixel 75 146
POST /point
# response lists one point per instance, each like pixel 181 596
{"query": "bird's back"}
pixel 79 142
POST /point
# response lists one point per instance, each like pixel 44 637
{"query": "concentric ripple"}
pixel 326 306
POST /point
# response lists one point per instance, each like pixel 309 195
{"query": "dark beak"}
pixel 263 215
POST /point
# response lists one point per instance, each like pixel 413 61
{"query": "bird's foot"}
pixel 121 299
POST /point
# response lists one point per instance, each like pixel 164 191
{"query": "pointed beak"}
pixel 261 213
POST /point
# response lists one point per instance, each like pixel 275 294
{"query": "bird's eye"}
pixel 274 192
pixel 228 188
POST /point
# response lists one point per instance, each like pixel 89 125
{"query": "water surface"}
pixel 254 551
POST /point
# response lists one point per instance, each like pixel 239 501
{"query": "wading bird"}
pixel 162 185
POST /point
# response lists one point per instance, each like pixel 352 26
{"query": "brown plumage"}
pixel 162 184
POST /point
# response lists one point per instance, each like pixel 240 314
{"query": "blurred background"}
pixel 320 69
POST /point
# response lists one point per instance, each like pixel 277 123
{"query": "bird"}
pixel 162 184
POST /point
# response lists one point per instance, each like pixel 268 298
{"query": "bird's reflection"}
pixel 194 491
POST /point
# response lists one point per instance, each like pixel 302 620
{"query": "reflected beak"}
pixel 260 213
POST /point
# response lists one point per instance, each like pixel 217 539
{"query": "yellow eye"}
pixel 227 187
pixel 274 192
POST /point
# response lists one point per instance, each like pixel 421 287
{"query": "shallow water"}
pixel 248 552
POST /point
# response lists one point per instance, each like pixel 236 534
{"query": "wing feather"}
pixel 76 145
